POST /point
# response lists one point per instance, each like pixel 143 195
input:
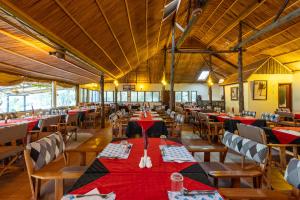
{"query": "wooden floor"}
pixel 15 186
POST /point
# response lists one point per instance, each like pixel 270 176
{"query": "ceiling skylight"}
pixel 203 75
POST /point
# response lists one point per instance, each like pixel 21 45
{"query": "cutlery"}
pixel 105 196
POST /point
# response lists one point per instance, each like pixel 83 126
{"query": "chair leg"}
pixel 37 189
pixel 75 132
pixel 59 190
pixel 9 165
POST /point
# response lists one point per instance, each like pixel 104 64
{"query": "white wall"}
pixel 296 92
pixel 229 104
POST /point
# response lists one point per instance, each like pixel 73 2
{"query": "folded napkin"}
pixel 196 196
pixel 157 119
pixel 176 154
pixel 291 132
pixel 91 195
pixel 113 150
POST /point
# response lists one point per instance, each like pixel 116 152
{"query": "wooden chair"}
pixel 214 129
pixel 113 119
pixel 70 127
pixel 11 153
pixel 177 126
pixel 254 151
pixel 90 120
pixel 38 163
pixel 291 176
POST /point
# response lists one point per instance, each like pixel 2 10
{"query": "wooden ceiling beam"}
pixel 281 10
pixel 225 60
pixel 147 42
pixel 14 10
pixel 87 34
pixel 289 17
pixel 285 53
pixel 42 63
pixel 195 16
pixel 131 30
pixel 244 14
pixel 262 25
pixel 28 73
pixel 202 51
pixel 112 32
pixel 160 27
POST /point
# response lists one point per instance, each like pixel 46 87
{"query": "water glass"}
pixel 163 139
pixel 176 182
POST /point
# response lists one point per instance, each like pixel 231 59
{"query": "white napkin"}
pixel 178 196
pixel 157 119
pixel 176 154
pixel 112 196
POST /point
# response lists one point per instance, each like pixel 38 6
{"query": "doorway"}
pixel 285 95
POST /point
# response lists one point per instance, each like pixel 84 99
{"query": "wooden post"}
pixel 240 70
pixel 77 93
pixel 116 97
pixel 209 84
pixel 54 94
pixel 172 105
pixel 102 101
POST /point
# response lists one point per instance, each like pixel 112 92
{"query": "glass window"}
pixel 83 94
pixel 133 96
pixel 16 103
pixel 66 96
pixel 185 96
pixel 148 96
pixel 155 96
pixel 177 96
pixel 109 96
pixel 39 100
pixel 193 96
pixel 3 102
pixel 123 96
pixel 141 96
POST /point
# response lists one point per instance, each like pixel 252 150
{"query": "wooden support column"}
pixel 240 70
pixel 172 69
pixel 54 94
pixel 116 98
pixel 77 93
pixel 102 101
pixel 209 84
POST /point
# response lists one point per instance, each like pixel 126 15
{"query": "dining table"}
pixel 283 135
pixel 32 122
pixel 150 122
pixel 127 180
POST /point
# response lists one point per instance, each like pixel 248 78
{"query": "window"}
pixel 16 103
pixel 141 96
pixel 109 96
pixel 123 96
pixel 66 96
pixel 148 96
pixel 94 96
pixel 155 96
pixel 203 75
pixel 185 97
pixel 177 96
pixel 133 96
pixel 193 96
pixel 3 102
pixel 83 94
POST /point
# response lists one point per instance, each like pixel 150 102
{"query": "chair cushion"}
pixel 7 151
pixel 253 150
pixel 292 173
pixel 45 150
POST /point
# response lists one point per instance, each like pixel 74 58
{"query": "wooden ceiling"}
pixel 125 38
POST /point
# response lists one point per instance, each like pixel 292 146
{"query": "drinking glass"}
pixel 163 139
pixel 176 182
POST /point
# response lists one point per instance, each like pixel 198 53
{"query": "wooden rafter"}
pixel 28 72
pixel 244 14
pixel 112 32
pixel 292 15
pixel 87 34
pixel 40 62
pixel 160 27
pixel 147 42
pixel 262 24
pixel 10 7
pixel 285 53
pixel 131 31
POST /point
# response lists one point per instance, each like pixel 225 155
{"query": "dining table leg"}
pixel 282 154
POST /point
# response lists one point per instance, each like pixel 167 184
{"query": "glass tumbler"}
pixel 176 182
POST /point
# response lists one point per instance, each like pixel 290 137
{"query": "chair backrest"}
pixel 43 151
pixel 72 119
pixel 252 132
pixel 253 150
pixel 53 120
pixel 292 175
pixel 12 133
pixel 172 115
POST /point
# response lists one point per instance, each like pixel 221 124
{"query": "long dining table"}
pixel 128 181
pixel 31 122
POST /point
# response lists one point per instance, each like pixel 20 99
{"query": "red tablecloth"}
pixel 244 120
pixel 285 138
pixel 297 115
pixel 193 109
pixel 74 111
pixel 128 181
pixel 32 122
pixel 146 122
